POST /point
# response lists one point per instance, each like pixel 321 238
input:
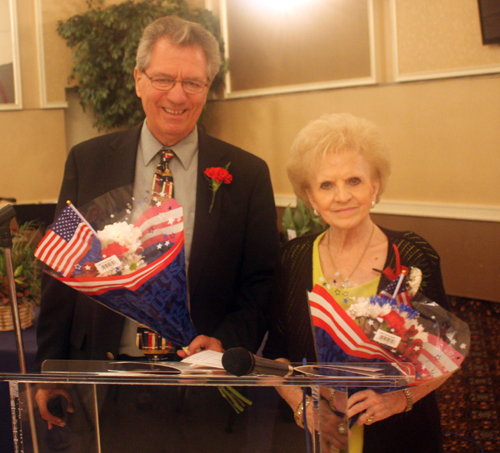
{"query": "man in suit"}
pixel 230 249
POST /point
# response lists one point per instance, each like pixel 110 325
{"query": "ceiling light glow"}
pixel 282 5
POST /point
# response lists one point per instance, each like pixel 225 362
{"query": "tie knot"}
pixel 166 154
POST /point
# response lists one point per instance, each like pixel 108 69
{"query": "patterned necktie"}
pixel 163 181
pixel 152 345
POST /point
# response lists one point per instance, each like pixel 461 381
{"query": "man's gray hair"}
pixel 181 32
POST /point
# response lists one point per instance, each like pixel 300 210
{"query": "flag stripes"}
pixel 66 243
pixel 346 333
pixel 94 286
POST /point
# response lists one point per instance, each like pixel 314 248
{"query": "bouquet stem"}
pixel 234 398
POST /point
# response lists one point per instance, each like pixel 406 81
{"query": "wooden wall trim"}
pixel 421 209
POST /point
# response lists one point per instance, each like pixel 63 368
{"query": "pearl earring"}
pixel 316 213
pixel 373 203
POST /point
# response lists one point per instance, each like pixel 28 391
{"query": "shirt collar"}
pixel 185 150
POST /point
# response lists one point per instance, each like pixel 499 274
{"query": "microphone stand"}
pixel 7 213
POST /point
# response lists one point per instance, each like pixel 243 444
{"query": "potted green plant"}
pixel 300 221
pixel 26 276
pixel 104 42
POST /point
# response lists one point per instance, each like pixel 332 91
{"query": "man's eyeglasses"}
pixel 191 86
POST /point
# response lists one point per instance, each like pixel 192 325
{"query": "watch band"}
pixel 409 400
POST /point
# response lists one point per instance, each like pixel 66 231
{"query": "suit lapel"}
pixel 205 228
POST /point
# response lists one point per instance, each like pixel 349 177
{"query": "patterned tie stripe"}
pixel 152 345
pixel 163 181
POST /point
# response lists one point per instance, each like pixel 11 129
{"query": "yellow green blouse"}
pixel 345 297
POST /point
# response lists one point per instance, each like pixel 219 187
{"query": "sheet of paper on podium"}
pixel 212 359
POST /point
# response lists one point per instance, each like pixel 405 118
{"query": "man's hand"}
pixel 42 397
pixel 201 343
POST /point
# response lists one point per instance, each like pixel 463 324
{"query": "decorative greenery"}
pixel 104 42
pixel 26 273
pixel 301 220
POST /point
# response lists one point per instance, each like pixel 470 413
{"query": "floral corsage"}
pixel 216 177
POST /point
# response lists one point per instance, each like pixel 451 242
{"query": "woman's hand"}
pixel 334 428
pixel 332 420
pixel 373 406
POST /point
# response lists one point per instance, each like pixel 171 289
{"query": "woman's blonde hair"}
pixel 333 134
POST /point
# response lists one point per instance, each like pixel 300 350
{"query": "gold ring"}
pixel 342 428
pixel 370 419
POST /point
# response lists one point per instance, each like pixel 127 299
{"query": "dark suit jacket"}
pixel 232 257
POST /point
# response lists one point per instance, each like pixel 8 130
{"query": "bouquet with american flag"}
pixel 127 255
pixel 399 325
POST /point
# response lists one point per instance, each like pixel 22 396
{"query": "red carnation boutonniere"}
pixel 216 177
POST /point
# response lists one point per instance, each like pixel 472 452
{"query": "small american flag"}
pixel 402 297
pixel 66 243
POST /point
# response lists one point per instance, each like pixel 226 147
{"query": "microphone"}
pixel 240 362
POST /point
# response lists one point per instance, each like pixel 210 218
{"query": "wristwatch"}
pixel 409 400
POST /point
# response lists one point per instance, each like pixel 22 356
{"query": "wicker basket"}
pixel 26 316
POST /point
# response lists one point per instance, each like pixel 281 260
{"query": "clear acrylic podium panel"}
pixel 151 411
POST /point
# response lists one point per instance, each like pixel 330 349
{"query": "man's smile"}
pixel 174 112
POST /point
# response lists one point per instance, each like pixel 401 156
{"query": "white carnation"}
pixel 132 262
pixel 378 311
pixel 414 280
pixel 123 233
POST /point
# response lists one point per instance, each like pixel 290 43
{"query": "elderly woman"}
pixel 339 167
